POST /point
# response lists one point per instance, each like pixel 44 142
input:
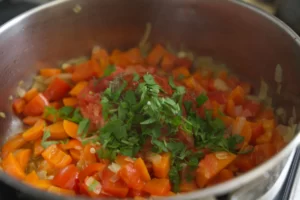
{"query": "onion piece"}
pixel 237 129
pixel 20 92
pixel 114 167
pixel 219 84
pixel 278 74
pixel 287 132
pixel 153 157
pixel 281 113
pixel 221 155
pixel 238 110
pixel 263 92
pixel 114 178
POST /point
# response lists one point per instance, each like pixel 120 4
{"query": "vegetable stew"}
pixel 129 124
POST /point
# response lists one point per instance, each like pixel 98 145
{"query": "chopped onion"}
pixel 76 61
pixel 253 98
pixel 96 49
pixel 278 90
pixel 293 118
pixel 278 74
pixel 238 128
pixel 10 98
pixel 39 86
pixel 92 150
pixel 263 92
pixel 21 92
pixel 114 167
pixel 222 155
pixel 221 85
pixel 42 174
pixel 153 157
pixel 181 54
pixel 21 82
pixel 50 177
pixel 2 115
pixel 281 113
pixel 114 178
pixel 66 66
pixel 40 79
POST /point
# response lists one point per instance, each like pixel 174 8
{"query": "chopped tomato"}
pixel 67 177
pixel 131 176
pixel 91 170
pixel 57 89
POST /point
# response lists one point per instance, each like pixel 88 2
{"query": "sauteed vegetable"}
pixel 128 125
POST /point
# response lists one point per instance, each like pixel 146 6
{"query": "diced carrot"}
pixel 242 127
pixel 131 176
pixel 161 168
pixel 23 156
pixel 244 163
pixel 61 191
pixel 84 71
pixel 57 89
pixel 19 105
pixel 238 95
pixel 75 154
pixel 123 160
pixel 48 72
pixel 30 94
pixel 31 120
pixel 168 61
pixel 11 166
pixel 268 125
pixel 34 132
pixel 267 113
pixel 159 187
pixel 70 128
pixel 56 156
pixel 12 144
pixel 70 101
pixel 186 186
pixel 33 180
pixel 228 121
pixel 78 88
pixel 156 55
pixel 72 144
pixel 264 138
pixel 191 83
pixel 115 56
pixel 211 165
pixel 180 71
pixel 57 131
pixel 140 165
pixel 37 148
pixel 35 106
pixel 278 141
pixel 102 57
pixel 230 108
pixel 133 56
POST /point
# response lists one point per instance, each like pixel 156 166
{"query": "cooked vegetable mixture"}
pixel 135 125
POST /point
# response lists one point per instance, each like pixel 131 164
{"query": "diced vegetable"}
pixel 141 167
pixel 56 156
pixel 161 168
pixel 34 132
pixel 35 106
pixel 159 187
pixel 78 88
pixel 91 170
pixel 31 94
pixel 66 178
pixel 23 156
pixel 70 128
pixel 11 166
pixel 48 72
pixel 14 143
pixel 19 105
pixel 57 89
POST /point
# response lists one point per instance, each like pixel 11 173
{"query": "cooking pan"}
pixel 246 39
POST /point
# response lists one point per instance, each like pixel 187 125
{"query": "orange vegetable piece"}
pixel 238 95
pixel 19 105
pixel 180 71
pixel 228 121
pixel 132 56
pixel 230 108
pixel 268 113
pixel 11 166
pixel 140 165
pixel 84 71
pixel 102 57
pixel 12 144
pixel 78 88
pixel 156 55
pixel 48 72
pixel 57 89
pixel 191 83
pixel 23 156
pixel 263 152
pixel 70 101
pixel 57 131
pixel 37 148
pixel 222 75
pixel 70 128
pixel 87 157
pixel 123 160
pixel 131 176
pixel 44 165
pixel 75 154
pixel 211 165
pixel 168 61
pixel 31 120
pixel 61 191
pixel 268 125
pixel 264 138
pixel 91 170
pixel 161 168
pixel 224 175
pixel 35 132
pixel 33 180
pixel 72 144
pixel 56 156
pixel 186 186
pixel 159 187
pixel 30 94
pixel 35 106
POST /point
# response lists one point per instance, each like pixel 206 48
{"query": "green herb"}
pixel 51 111
pixel 201 99
pixel 136 77
pixel 65 111
pixel 109 70
pixel 179 91
pixel 93 186
pixel 174 178
pixel 83 127
pixel 45 144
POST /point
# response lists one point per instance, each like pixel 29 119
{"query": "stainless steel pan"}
pixel 248 40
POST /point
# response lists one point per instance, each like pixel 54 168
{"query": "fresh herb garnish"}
pixel 201 99
pixel 44 143
pixel 109 70
pixel 83 127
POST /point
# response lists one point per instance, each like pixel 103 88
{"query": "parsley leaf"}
pixel 45 144
pixel 83 127
pixel 109 70
pixel 201 99
pixel 136 77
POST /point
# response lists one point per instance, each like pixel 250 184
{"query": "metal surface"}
pixel 249 41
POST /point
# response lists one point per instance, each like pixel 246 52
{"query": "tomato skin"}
pixel 67 178
pixel 36 106
pixel 57 90
pixel 117 189
pixel 90 170
pixel 131 176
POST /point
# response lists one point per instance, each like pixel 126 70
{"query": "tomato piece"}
pixel 218 96
pixel 19 105
pixel 252 107
pixel 129 174
pixel 116 188
pixel 36 106
pixel 91 170
pixel 67 177
pixel 57 89
pixel 257 131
